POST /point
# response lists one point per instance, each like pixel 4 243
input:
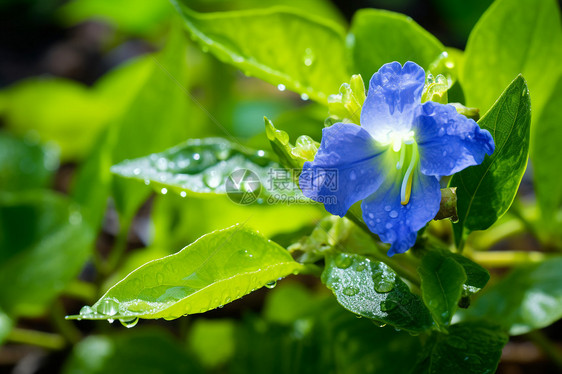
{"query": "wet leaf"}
pixel 211 166
pixel 372 289
pixel 214 270
pixel 304 53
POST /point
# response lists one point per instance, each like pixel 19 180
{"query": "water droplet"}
pixel 441 131
pixel 350 291
pixel 183 194
pixel 388 226
pixel 393 214
pixel 383 279
pixel 164 190
pixel 86 310
pixel 108 307
pixel 129 323
pixel 388 305
pixel 343 261
pixel 444 153
pixel 136 171
pixel 110 320
pixel 212 179
pixel 387 208
pixel 196 156
pixel 308 57
pixel 271 284
pixel 352 175
pixel 304 97
pixel 147 182
pixel 162 164
pixel 281 87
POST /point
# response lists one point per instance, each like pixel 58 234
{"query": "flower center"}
pixel 405 144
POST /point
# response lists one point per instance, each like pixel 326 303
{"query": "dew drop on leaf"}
pixel 271 284
pixel 350 291
pixel 129 323
pixel 86 311
pixel 108 307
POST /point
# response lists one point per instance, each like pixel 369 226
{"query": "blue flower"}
pixel 394 160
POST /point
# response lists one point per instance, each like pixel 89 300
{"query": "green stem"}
pixel 65 327
pixel 548 347
pixel 37 338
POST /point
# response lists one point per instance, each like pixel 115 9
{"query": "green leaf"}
pixel 150 351
pixel 51 110
pixel 6 325
pixel 279 141
pixel 25 164
pixel 44 244
pixel 513 37
pixel 530 297
pixel 372 289
pixel 380 36
pixel 485 192
pixel 468 348
pixel 302 52
pixel 203 166
pixel 546 157
pixel 212 341
pixel 146 19
pixel 476 276
pixel 219 267
pixel 442 280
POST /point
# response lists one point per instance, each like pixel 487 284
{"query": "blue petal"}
pixel 448 141
pixel 347 168
pixel 398 224
pixel 394 93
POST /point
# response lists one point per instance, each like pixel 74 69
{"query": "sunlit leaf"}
pixel 380 36
pixel 43 245
pixel 219 267
pixel 304 53
pixel 372 289
pixel 485 192
pixel 6 324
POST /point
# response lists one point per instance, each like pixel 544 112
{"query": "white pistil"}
pixel 406 188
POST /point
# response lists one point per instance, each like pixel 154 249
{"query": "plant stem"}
pixel 547 346
pixel 37 338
